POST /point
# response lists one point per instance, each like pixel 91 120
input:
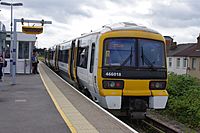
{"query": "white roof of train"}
pixel 121 26
pixel 128 26
pixel 113 27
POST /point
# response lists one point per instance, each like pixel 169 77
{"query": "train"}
pixel 121 66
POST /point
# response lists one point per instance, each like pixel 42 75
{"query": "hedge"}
pixel 184 99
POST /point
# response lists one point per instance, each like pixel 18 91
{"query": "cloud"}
pixel 73 17
pixel 176 14
pixel 61 10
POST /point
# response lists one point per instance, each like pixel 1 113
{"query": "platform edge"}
pixel 66 120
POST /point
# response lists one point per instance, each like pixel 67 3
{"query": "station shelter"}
pixel 25 45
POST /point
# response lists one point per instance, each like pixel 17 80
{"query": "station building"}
pixel 25 45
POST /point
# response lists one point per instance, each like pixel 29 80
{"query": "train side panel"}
pixel 85 64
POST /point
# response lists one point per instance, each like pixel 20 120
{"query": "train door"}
pixel 56 58
pixel 91 79
pixel 52 52
pixel 82 62
pixel 71 65
pixel 76 48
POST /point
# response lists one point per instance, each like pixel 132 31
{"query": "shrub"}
pixel 184 99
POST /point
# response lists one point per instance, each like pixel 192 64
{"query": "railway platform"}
pixel 27 108
pixel 46 103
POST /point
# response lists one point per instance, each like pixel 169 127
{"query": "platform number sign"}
pixel 32 29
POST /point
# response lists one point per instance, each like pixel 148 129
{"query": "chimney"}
pixel 173 46
pixel 169 42
pixel 198 42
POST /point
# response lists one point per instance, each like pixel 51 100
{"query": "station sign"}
pixel 32 29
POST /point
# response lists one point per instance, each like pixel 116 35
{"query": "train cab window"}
pixel 83 57
pixel 120 52
pixel 151 54
pixel 92 58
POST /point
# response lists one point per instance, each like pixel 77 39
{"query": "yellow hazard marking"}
pixel 71 127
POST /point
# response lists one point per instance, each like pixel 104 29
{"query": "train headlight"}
pixel 156 85
pixel 113 84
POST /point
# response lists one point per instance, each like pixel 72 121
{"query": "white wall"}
pixel 178 70
pixel 23 37
pixel 26 37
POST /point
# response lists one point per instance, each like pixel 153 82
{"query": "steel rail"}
pixel 159 126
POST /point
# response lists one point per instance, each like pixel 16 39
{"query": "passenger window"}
pixel 92 58
pixel 65 56
pixel 52 54
pixel 60 55
pixel 83 57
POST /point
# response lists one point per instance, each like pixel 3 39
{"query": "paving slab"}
pixel 27 108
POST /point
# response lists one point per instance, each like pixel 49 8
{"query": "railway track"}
pixel 159 126
pixel 148 125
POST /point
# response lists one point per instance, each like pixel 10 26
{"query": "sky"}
pixel 179 19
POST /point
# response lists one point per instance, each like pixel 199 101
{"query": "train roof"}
pixel 112 27
pixel 121 26
pixel 127 26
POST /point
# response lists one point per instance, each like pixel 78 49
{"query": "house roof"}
pixel 178 49
pixel 184 50
pixel 192 51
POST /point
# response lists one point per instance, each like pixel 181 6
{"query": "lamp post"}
pixel 12 48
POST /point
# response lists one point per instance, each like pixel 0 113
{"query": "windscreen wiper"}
pixel 146 60
pixel 127 59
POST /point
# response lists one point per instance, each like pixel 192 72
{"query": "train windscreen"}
pixel 119 52
pixel 151 53
pixel 129 52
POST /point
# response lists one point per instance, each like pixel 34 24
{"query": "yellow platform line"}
pixel 71 127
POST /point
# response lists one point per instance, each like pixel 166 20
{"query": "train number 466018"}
pixel 113 74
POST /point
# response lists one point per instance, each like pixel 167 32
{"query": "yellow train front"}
pixel 122 67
